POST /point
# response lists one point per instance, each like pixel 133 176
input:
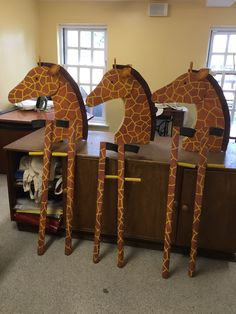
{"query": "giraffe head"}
pixel 116 83
pixel 190 88
pixel 40 81
pixel 200 89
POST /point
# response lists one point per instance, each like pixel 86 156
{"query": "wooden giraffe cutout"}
pixel 52 80
pixel 170 201
pixel 176 131
pixel 201 172
pixel 120 205
pixel 99 205
pixel 199 88
pixel 47 151
pixel 120 149
pixel 138 127
pixel 202 163
pixel 71 154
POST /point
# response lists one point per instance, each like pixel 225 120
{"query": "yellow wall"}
pixel 18 43
pixel 160 48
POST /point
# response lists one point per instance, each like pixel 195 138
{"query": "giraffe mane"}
pixel 76 90
pixel 148 93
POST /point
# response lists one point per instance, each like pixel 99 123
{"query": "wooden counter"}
pixel 158 151
pixel 14 125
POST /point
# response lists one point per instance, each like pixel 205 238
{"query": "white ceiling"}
pixel 209 3
pixel 219 3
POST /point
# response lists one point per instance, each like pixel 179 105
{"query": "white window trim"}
pixel 223 72
pixel 96 121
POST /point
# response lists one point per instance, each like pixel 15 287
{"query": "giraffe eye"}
pixel 112 82
pixel 185 82
pixel 36 78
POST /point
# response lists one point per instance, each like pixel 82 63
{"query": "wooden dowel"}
pixel 113 176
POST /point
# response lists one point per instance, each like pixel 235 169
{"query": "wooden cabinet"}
pixel 14 125
pixel 218 220
pixel 145 202
pixel 9 134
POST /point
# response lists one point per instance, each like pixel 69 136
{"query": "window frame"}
pixel 223 72
pixel 62 52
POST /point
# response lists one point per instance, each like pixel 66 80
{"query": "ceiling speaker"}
pixel 158 9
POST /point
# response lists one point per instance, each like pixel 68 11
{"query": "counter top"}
pixel 156 151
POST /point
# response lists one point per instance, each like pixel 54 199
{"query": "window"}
pixel 222 62
pixel 83 55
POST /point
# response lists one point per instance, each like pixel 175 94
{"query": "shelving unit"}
pixel 27 210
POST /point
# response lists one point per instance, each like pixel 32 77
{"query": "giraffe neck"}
pixel 66 102
pixel 209 113
pixel 66 107
pixel 136 126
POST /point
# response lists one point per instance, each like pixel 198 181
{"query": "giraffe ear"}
pixel 54 69
pixel 202 74
pixel 125 72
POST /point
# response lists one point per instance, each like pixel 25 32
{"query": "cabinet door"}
pixel 144 202
pixel 86 195
pixel 218 219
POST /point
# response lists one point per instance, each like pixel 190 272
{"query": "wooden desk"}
pixel 145 202
pixel 14 125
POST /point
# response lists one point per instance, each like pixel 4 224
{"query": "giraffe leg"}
pixel 170 202
pixel 100 191
pixel 70 188
pixel 198 201
pixel 120 205
pixel 45 178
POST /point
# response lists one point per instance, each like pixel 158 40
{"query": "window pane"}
pixel 83 93
pixel 98 58
pixel 85 39
pixel 89 110
pixel 229 96
pixel 230 104
pixel 72 56
pixel 230 82
pixel 233 116
pixel 218 78
pixel 73 72
pixel 97 111
pixel 72 38
pixel 232 44
pixel 219 43
pixel 86 88
pixel 84 75
pixel 217 62
pixel 97 75
pixel 85 57
pixel 83 51
pixel 230 62
pixel 98 39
